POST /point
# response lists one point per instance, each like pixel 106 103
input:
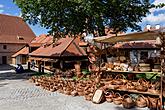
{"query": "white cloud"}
pixel 156 17
pixel 1 11
pixel 1 6
pixel 156 9
pixel 160 18
pixel 157 2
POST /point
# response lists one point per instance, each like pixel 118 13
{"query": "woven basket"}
pixel 109 96
pixel 142 85
pixel 117 99
pixel 153 102
pixel 98 96
pixel 74 93
pixel 141 101
pixel 130 86
pixel 154 88
pixel 128 102
pixel 119 80
pixel 88 97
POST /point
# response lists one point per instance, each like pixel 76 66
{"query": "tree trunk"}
pixel 101 31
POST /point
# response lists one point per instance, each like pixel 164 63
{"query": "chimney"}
pixel 148 27
pixel 157 26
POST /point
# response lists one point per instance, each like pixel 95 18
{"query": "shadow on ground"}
pixel 7 73
pixel 134 108
pixel 6 67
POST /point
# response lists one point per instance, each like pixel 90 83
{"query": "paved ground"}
pixel 17 93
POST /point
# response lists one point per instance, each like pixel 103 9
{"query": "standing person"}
pixel 32 64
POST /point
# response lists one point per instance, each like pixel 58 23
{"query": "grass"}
pixel 41 74
pixel 75 78
pixel 147 76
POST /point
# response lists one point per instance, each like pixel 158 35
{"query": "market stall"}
pixel 121 66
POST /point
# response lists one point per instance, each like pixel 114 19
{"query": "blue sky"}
pixel 157 16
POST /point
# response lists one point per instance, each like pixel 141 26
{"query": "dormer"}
pixel 20 37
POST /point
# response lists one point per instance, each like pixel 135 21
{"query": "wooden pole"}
pixel 162 37
pixel 161 86
pixel 100 58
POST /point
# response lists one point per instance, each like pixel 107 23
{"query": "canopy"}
pixel 147 35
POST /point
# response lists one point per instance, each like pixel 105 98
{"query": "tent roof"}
pixel 147 35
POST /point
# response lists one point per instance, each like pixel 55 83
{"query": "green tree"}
pixel 75 16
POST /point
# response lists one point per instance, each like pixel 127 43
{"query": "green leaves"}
pixel 75 16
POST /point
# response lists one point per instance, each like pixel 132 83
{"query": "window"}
pixel 20 37
pixel 143 55
pixel 4 46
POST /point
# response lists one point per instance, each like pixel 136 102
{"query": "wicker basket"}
pixel 117 99
pixel 141 101
pixel 154 88
pixel 130 86
pixel 87 97
pixel 98 96
pixel 153 102
pixel 74 93
pixel 119 80
pixel 142 85
pixel 109 96
pixel 128 102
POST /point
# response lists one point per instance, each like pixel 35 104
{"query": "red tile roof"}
pixel 23 51
pixel 63 47
pixel 42 39
pixel 12 28
pixel 148 44
pixel 36 42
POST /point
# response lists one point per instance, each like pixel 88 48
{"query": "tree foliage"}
pixel 75 16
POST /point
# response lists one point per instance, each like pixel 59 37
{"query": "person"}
pixel 32 64
pixel 19 68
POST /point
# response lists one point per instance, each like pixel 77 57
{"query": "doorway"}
pixel 4 59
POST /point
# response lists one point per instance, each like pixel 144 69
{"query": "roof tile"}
pixel 11 27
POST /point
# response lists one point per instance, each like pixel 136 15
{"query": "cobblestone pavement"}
pixel 20 94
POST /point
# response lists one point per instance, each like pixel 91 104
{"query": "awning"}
pixel 147 35
pixel 49 60
pixel 35 58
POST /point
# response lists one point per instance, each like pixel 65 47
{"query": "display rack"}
pixel 150 35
